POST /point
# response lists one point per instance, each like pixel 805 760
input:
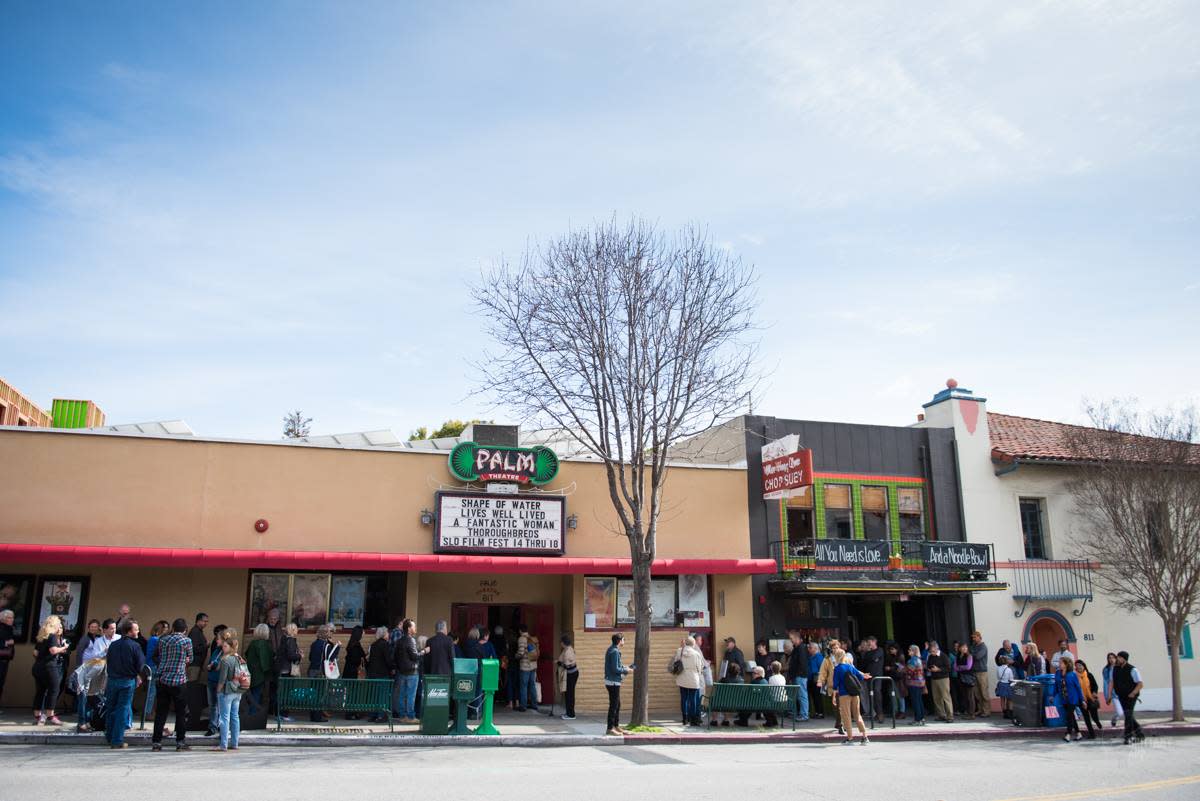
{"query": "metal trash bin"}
pixel 1027 703
pixel 463 690
pixel 435 705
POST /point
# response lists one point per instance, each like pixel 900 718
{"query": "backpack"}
pixel 241 676
pixel 852 684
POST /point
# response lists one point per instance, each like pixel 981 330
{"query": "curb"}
pixel 897 736
pixel 577 740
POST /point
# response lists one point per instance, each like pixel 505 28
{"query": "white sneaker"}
pixel 567 717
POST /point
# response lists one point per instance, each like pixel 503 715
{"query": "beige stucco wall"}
pixel 136 491
pixel 81 489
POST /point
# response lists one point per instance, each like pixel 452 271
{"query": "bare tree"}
pixel 295 425
pixel 630 340
pixel 1138 489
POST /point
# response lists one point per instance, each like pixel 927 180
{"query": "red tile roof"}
pixel 1028 439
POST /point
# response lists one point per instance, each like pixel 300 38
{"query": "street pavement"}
pixel 1161 769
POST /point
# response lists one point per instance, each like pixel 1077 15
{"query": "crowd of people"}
pixel 840 680
pixel 113 659
pixel 843 681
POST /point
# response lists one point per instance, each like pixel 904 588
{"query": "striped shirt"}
pixel 174 654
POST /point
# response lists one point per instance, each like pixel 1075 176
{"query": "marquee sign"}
pixel 956 555
pixel 522 525
pixel 472 462
pixel 786 468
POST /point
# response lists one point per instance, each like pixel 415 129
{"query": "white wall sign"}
pixel 475 522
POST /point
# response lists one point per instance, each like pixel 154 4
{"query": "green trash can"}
pixel 466 673
pixel 435 705
pixel 489 683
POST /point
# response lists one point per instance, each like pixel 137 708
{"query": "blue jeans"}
pixel 118 697
pixel 802 698
pixel 917 702
pixel 528 697
pixel 407 701
pixel 689 704
pixel 82 713
pixel 230 718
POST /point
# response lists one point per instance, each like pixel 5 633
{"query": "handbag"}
pixel 330 662
pixel 676 666
pixel 294 670
pixel 537 691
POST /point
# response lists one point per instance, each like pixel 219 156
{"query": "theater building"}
pixel 363 529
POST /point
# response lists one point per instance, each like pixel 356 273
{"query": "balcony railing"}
pixel 1052 580
pixel 885 560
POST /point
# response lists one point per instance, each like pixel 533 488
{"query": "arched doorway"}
pixel 1046 627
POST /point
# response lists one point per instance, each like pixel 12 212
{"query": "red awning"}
pixel 344 560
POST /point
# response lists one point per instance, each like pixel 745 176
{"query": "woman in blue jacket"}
pixel 848 685
pixel 1067 687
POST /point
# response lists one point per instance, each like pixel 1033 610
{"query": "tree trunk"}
pixel 1175 638
pixel 641 648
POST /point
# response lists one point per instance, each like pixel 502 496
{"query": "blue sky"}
pixel 219 212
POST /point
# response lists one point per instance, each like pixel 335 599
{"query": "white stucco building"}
pixel 1013 474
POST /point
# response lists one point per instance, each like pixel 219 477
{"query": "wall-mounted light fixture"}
pixel 426 517
pixel 573 522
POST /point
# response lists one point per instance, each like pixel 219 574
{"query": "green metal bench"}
pixel 754 698
pixel 334 695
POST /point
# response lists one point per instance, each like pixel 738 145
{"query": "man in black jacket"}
pixel 797 674
pixel 125 662
pixel 733 655
pixel 1127 686
pixel 408 666
pixel 441 651
pixel 196 670
pixel 873 666
pixel 938 665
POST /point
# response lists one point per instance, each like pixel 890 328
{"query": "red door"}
pixel 464 616
pixel 540 620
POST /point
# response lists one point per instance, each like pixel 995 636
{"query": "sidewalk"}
pixel 531 729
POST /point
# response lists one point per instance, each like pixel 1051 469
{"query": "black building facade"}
pixel 875 545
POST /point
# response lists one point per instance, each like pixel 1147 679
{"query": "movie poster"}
pixel 269 591
pixel 599 602
pixel 310 599
pixel 347 599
